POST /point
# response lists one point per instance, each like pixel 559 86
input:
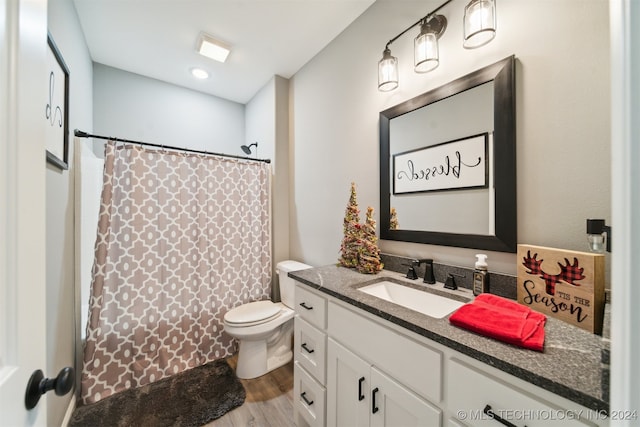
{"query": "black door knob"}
pixel 39 385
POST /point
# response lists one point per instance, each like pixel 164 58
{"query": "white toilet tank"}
pixel 287 285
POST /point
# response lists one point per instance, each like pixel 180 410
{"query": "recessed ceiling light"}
pixel 213 48
pixel 199 73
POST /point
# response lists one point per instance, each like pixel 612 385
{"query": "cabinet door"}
pixel 394 405
pixel 348 398
pixel 471 390
pixel 410 362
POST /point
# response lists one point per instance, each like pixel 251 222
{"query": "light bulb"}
pixel 387 72
pixel 479 23
pixel 425 52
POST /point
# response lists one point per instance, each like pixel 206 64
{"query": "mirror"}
pixel 448 164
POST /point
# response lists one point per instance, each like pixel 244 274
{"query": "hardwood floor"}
pixel 269 401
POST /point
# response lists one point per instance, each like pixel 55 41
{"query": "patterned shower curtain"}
pixel 182 238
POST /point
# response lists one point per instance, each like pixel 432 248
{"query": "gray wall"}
pixel 563 124
pixel 60 238
pixel 267 122
pixel 131 106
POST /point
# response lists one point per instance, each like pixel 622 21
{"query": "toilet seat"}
pixel 251 314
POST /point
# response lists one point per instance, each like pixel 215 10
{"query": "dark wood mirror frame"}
pixel 502 73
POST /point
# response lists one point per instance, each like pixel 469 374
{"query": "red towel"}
pixel 499 302
pixel 502 319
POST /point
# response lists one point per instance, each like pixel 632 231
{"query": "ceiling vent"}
pixel 213 48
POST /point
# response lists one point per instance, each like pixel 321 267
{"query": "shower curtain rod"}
pixel 81 134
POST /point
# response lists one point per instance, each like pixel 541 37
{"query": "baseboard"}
pixel 70 409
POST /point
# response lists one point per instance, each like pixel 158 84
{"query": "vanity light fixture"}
pixel 387 71
pixel 425 46
pixel 479 29
pixel 598 235
pixel 213 48
pixel 479 23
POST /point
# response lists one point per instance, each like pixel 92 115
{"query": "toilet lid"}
pixel 252 313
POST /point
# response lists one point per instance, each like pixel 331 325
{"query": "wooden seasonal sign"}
pixel 565 284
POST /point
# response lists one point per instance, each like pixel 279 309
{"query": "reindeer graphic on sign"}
pixel 565 284
pixel 568 273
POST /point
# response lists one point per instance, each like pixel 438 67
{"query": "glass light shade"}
pixel 387 72
pixel 596 242
pixel 479 23
pixel 598 235
pixel 425 52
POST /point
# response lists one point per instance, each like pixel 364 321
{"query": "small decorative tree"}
pixel 369 254
pixel 352 232
pixel 393 221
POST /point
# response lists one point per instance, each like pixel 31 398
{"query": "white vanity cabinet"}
pixel 359 395
pixel 309 370
pixel 378 377
pixel 360 370
pixel 514 400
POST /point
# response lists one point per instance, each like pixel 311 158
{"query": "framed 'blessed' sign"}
pixel 451 165
pixel 56 111
pixel 565 284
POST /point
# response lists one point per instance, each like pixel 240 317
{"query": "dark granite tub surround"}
pixel 570 366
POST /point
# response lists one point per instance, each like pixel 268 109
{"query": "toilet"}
pixel 264 329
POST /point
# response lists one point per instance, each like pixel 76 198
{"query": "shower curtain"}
pixel 182 238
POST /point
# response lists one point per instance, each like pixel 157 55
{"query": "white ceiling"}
pixel 157 38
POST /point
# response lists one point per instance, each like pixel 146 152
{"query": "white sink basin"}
pixel 420 301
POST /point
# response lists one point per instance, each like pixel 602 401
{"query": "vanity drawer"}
pixel 311 307
pixel 308 397
pixel 413 364
pixel 310 348
pixel 470 391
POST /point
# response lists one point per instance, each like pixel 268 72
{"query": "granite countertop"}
pixel 570 366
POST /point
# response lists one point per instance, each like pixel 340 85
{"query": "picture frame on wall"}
pixel 452 165
pixel 56 111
